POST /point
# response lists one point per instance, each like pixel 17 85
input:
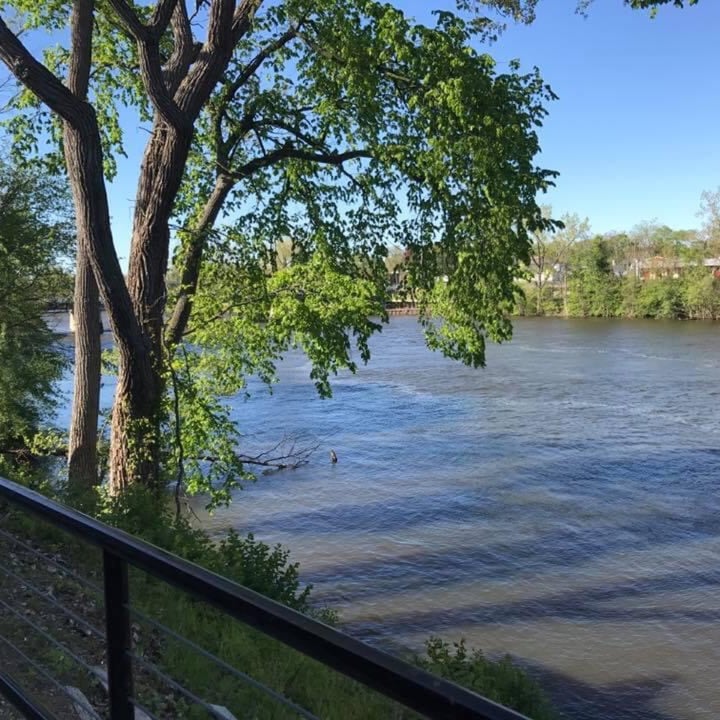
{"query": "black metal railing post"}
pixel 117 619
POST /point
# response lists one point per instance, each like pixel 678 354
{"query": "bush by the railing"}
pixel 500 680
pixel 245 560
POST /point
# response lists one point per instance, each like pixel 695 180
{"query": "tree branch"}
pixel 243 17
pixel 227 179
pixel 231 89
pixel 164 11
pixel 193 259
pixel 212 59
pixel 185 51
pixel 130 20
pixel 79 64
pixel 37 78
pixel 148 42
pixel 252 67
pixel 284 455
pixel 289 151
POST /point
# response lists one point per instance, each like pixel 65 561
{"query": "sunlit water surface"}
pixel 561 505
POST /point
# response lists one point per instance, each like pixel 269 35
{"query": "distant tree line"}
pixel 652 271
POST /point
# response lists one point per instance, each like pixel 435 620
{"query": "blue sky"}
pixel 634 134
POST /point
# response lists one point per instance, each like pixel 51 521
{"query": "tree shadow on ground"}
pixel 558 548
pixel 588 604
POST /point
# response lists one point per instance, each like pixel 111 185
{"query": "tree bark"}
pixel 82 440
pixel 137 388
pixel 136 308
pixel 135 446
pixel 135 428
pixel 135 440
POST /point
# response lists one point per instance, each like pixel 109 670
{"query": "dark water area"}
pixel 561 505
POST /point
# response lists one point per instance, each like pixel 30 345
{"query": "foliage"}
pixel 701 295
pixel 710 214
pixel 661 299
pixel 653 5
pixel 456 148
pixel 653 271
pixel 501 680
pixel 245 560
pixel 35 237
pixel 437 164
pixel 593 287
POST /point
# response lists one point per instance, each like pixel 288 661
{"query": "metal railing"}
pixel 411 686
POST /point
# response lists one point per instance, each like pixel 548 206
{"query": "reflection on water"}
pixel 561 505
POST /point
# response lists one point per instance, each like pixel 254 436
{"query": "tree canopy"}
pixel 343 127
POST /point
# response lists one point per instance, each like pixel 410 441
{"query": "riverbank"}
pixel 605 295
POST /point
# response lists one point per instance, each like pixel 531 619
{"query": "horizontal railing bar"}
pixel 13 692
pixel 43 633
pixel 225 666
pixel 175 685
pixel 68 571
pixel 395 678
pixel 48 676
pixel 48 598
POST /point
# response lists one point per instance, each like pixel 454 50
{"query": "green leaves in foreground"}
pixel 500 680
pixel 244 320
pixel 339 128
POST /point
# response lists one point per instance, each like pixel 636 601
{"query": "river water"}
pixel 561 505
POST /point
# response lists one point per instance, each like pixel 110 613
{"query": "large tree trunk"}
pixel 135 440
pixel 162 171
pixel 137 385
pixel 137 413
pixel 82 444
pixel 136 309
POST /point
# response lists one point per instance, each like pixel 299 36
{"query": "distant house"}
pixel 621 268
pixel 658 267
pixel 551 274
pixel 713 264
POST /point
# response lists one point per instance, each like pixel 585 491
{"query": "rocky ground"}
pixel 52 627
pixel 48 616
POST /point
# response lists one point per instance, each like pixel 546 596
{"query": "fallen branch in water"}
pixel 287 454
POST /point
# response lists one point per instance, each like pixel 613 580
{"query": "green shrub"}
pixel 662 299
pixel 702 295
pixel 500 680
pixel 245 560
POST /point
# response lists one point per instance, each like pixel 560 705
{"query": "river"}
pixel 561 505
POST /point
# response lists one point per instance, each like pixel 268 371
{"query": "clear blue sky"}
pixel 635 131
